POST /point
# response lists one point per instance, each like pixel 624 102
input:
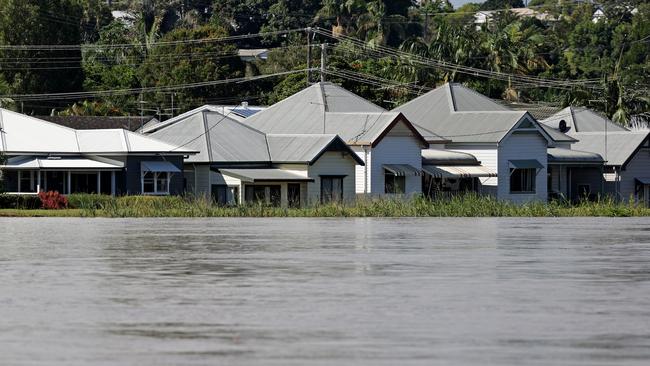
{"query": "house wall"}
pixel 131 178
pixel 638 167
pixel 332 163
pixel 362 172
pixel 396 150
pixel 592 176
pixel 487 154
pixel 522 146
pixel 200 176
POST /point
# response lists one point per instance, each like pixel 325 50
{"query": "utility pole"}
pixel 323 57
pixel 426 26
pixel 173 104
pixel 308 56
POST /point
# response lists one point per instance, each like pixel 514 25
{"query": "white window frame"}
pixel 155 192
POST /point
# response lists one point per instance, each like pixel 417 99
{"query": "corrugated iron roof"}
pixel 326 108
pixel 581 119
pixel 131 123
pixel 265 175
pixel 460 114
pixel 562 155
pixel 25 134
pixel 621 145
pixel 447 157
pixel 220 139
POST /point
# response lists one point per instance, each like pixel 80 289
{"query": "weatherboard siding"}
pixel 332 163
pixel 396 150
pixel 360 170
pixel 488 156
pixel 522 146
pixel 638 167
pixel 202 180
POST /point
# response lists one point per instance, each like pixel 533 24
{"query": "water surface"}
pixel 568 291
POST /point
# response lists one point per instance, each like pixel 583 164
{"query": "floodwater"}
pixel 570 291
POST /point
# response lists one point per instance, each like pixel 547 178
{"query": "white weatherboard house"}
pixel 43 156
pixel 239 164
pixel 388 144
pixel 626 153
pixel 509 144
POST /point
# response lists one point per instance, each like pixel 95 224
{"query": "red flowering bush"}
pixel 53 200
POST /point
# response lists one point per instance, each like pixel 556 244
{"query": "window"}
pixel 331 189
pixel 263 194
pixel 155 182
pixel 148 185
pixel 394 184
pixel 26 181
pixel 225 195
pixel 522 180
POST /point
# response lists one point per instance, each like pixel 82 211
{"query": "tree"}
pixel 185 63
pixel 501 4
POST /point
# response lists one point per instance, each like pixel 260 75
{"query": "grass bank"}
pixel 462 206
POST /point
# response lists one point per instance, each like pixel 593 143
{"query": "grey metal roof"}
pixel 220 139
pixel 621 145
pixel 24 134
pixel 556 134
pixel 402 170
pixel 447 157
pixel 562 155
pixel 217 138
pixel 461 115
pixel 131 123
pixel 580 119
pixel 265 175
pixel 325 108
pixel 302 148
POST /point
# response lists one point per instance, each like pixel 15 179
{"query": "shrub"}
pixel 23 202
pixel 53 200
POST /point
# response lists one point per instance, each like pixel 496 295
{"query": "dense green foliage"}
pixel 461 206
pixel 606 59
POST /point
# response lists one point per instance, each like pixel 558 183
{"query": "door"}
pixel 293 195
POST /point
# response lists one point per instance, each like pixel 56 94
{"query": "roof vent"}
pixel 244 104
pixel 563 127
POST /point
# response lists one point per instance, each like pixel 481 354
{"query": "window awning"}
pixel 458 171
pixel 526 164
pixel 265 175
pixel 644 181
pixel 402 169
pixel 159 167
pixel 34 163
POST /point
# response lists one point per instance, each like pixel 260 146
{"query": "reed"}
pixel 460 206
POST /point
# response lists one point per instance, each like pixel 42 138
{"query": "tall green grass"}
pixel 460 206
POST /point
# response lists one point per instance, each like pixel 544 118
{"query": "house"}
pixel 486 16
pixel 250 55
pixel 626 153
pixel 238 113
pixel 239 164
pixel 130 123
pixel 43 156
pixel 388 144
pixel 511 146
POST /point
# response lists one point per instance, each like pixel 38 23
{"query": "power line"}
pixel 104 93
pixel 130 45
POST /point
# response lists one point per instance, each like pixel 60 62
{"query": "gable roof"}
pixel 24 134
pixel 330 109
pixel 130 123
pixel 581 119
pixel 462 115
pixel 621 145
pixel 220 139
pixel 217 138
